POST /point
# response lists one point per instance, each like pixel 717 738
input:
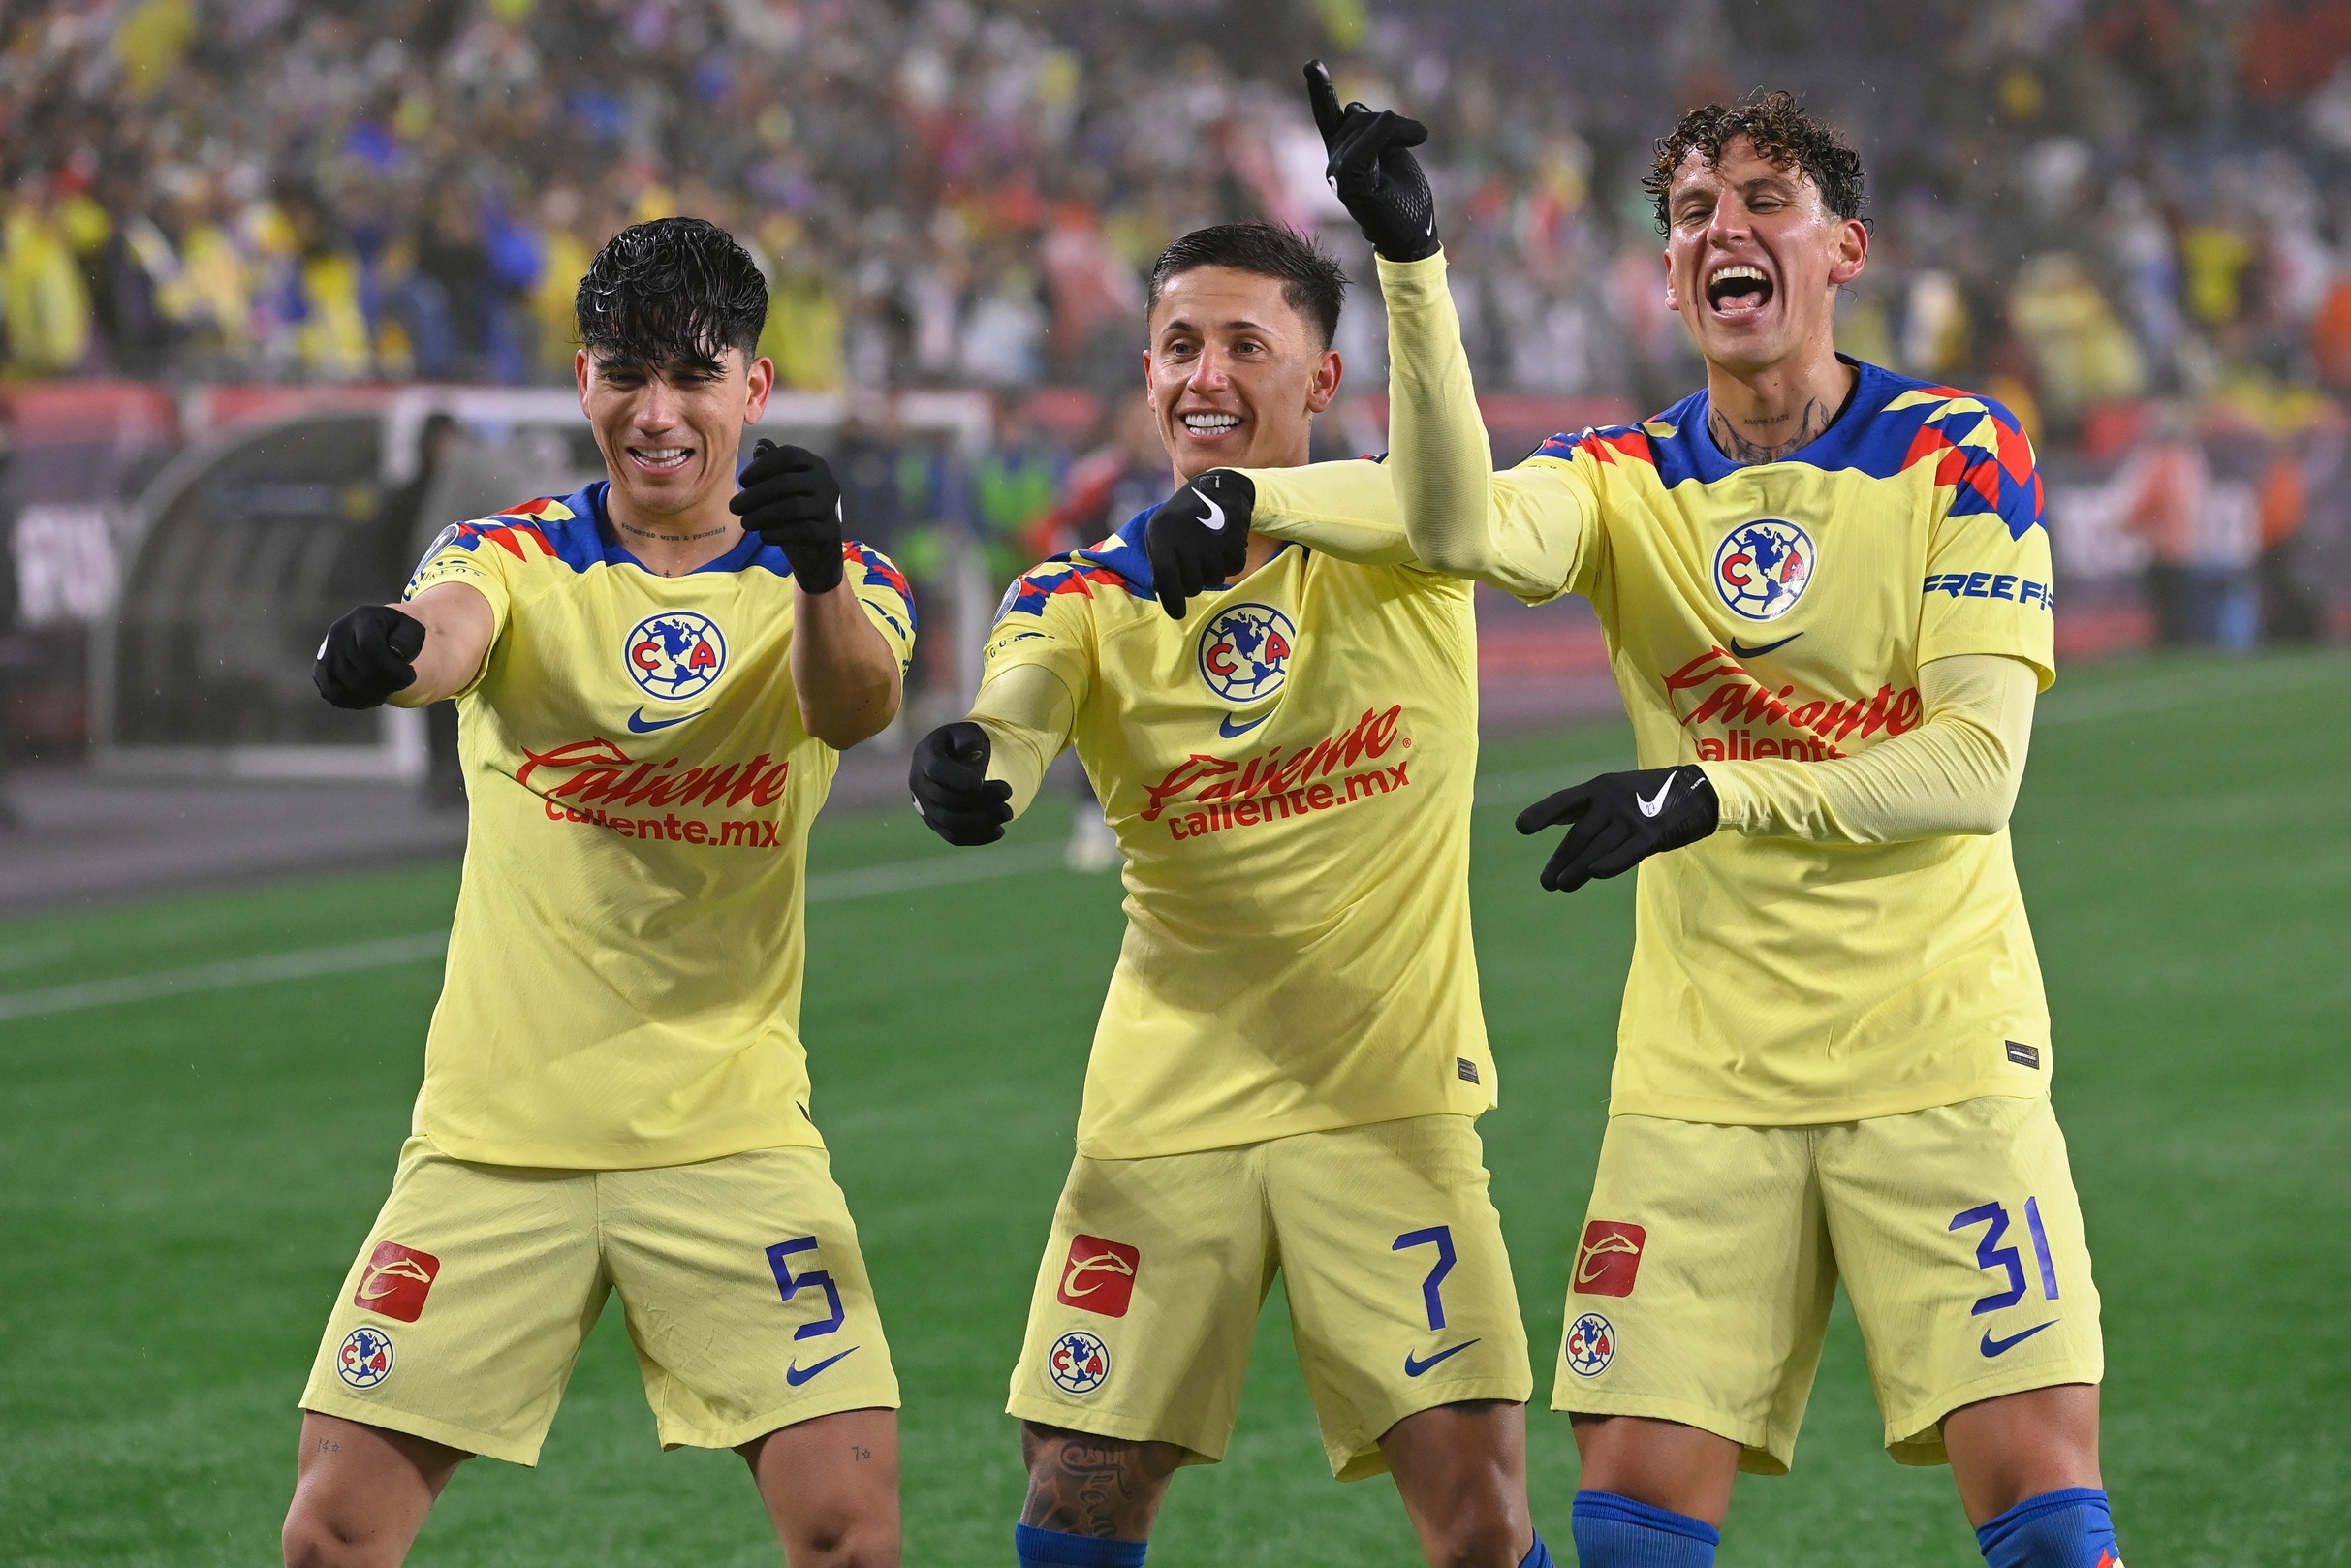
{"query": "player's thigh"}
pixel 1702 1283
pixel 1960 1241
pixel 1400 1286
pixel 466 1306
pixel 362 1492
pixel 830 1486
pixel 747 1293
pixel 1147 1299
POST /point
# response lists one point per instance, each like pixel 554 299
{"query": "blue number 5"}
pixel 792 1284
pixel 1439 1237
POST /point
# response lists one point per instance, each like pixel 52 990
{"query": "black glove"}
pixel 1199 538
pixel 951 790
pixel 1380 183
pixel 1623 819
pixel 790 498
pixel 368 655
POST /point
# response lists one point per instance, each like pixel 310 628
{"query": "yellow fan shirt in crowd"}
pixel 1289 771
pixel 623 986
pixel 1761 620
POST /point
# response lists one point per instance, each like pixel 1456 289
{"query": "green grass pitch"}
pixel 183 1181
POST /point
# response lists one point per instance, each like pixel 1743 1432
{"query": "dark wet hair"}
pixel 1312 284
pixel 675 290
pixel 1781 132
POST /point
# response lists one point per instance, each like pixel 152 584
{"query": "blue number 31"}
pixel 1991 1255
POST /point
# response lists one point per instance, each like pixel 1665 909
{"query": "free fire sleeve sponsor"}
pixel 624 970
pixel 1781 611
pixel 1289 771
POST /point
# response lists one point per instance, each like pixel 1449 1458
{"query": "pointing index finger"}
pixel 1323 97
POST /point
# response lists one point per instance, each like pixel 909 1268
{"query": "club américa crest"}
pixel 1079 1363
pixel 365 1359
pixel 1590 1345
pixel 1762 569
pixel 675 656
pixel 1245 652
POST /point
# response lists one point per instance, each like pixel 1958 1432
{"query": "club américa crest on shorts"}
pixel 1763 567
pixel 1079 1363
pixel 675 656
pixel 1245 652
pixel 365 1359
pixel 1590 1345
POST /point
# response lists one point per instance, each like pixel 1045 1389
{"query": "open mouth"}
pixel 1738 291
pixel 661 459
pixel 1209 425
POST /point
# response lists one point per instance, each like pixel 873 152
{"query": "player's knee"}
pixel 1484 1538
pixel 848 1541
pixel 313 1540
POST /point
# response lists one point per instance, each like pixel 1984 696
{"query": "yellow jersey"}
pixel 1290 771
pixel 623 985
pixel 1765 621
pixel 1783 609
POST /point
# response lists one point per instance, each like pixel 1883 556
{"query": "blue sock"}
pixel 1537 1556
pixel 1057 1549
pixel 1617 1532
pixel 2071 1527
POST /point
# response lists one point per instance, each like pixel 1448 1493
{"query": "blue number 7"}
pixel 1439 1237
pixel 792 1284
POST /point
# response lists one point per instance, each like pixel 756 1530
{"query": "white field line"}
pixel 234 972
pixel 1519 787
pixel 932 871
pixel 831 887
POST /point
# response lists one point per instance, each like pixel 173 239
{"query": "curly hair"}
pixel 1781 132
pixel 675 290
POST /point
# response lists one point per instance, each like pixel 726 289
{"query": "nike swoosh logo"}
pixel 1414 1369
pixel 1995 1347
pixel 645 726
pixel 1657 803
pixel 1215 521
pixel 1742 652
pixel 1231 731
pixel 797 1374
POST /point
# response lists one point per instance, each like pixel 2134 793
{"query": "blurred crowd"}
pixel 2085 200
pixel 2123 217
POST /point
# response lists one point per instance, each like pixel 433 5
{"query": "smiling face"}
pixel 1236 373
pixel 670 435
pixel 1754 258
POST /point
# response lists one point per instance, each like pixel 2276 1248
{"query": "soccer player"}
pixel 1291 1059
pixel 655 676
pixel 1826 592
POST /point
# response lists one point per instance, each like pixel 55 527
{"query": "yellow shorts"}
pixel 1711 1256
pixel 1401 1295
pixel 747 1298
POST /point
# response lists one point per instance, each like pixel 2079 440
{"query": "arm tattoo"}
pixel 1746 449
pixel 1099 1487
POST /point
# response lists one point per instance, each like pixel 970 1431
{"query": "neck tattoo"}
pixel 675 539
pixel 1815 418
